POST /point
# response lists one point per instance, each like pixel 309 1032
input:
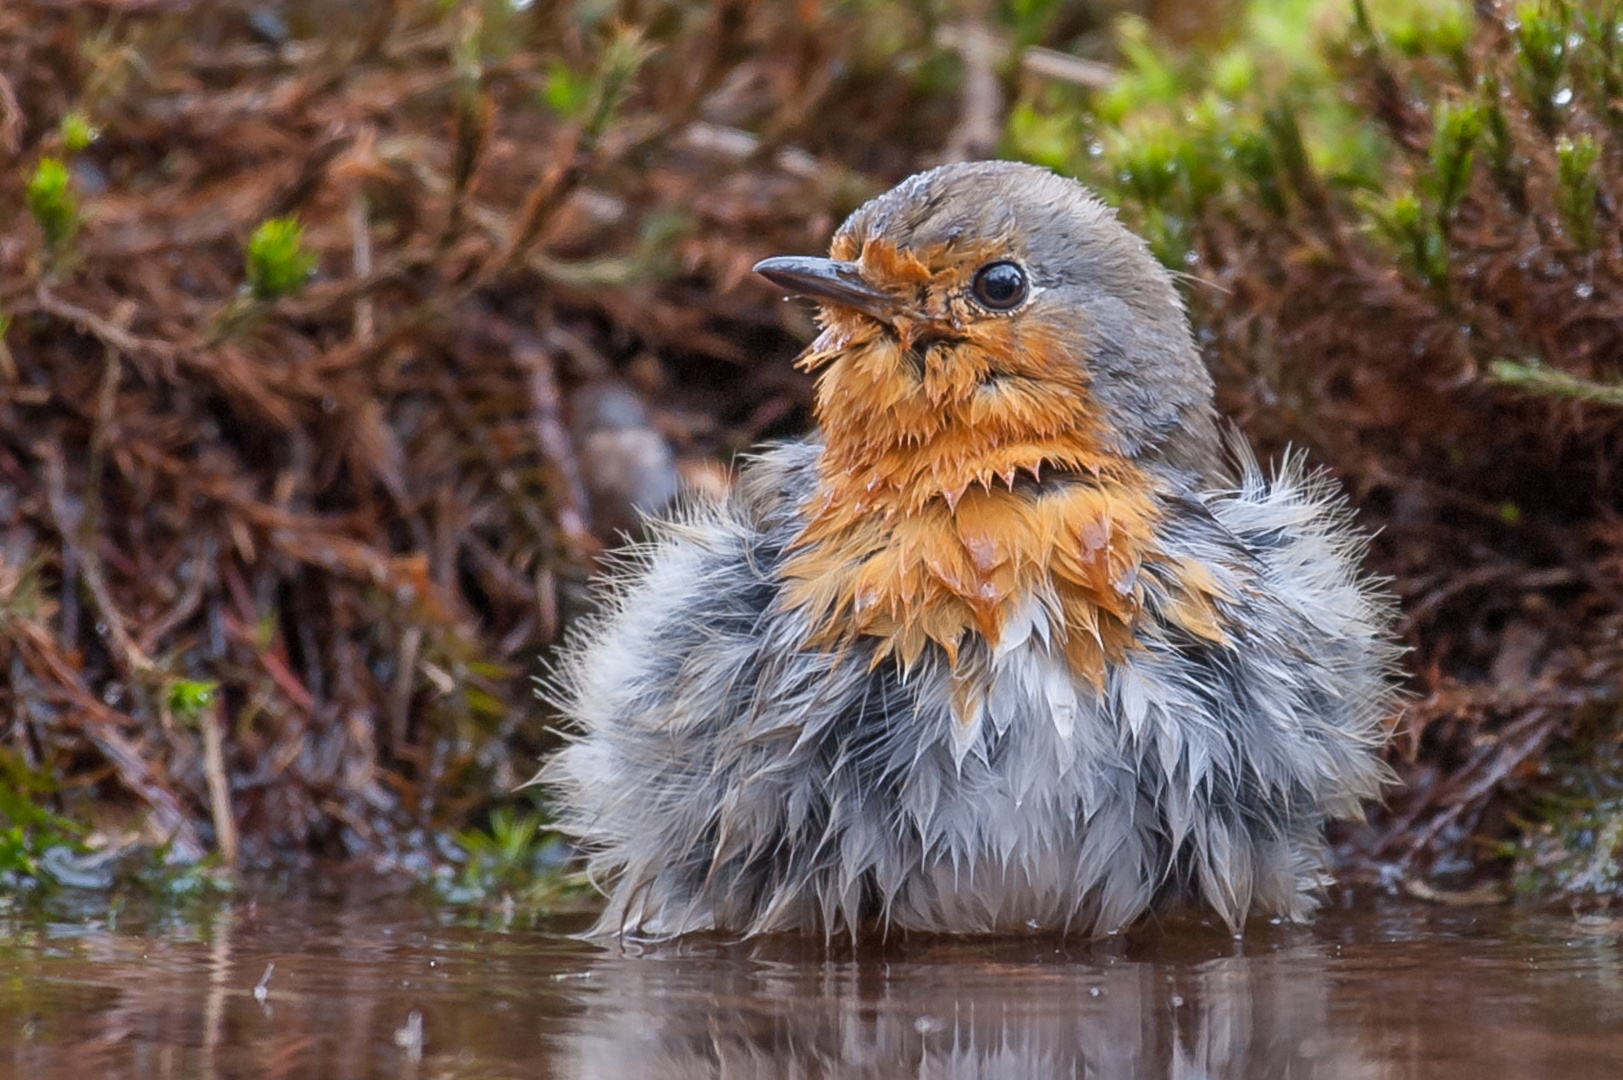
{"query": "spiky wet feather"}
pixel 735 776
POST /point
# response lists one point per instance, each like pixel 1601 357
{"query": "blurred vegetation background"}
pixel 338 340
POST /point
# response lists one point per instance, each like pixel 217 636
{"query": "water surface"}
pixel 369 988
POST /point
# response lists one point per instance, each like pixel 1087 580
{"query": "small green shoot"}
pixel 1253 156
pixel 1578 188
pixel 278 265
pixel 1542 379
pixel 1504 163
pixel 1541 46
pixel 1600 59
pixel 1455 135
pixel 592 99
pixel 77 132
pixel 51 200
pixel 622 59
pixel 188 698
pixel 566 92
pixel 1403 220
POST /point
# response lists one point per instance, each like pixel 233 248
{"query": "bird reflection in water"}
pixel 1018 1009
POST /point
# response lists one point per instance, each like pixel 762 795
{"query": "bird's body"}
pixel 1005 646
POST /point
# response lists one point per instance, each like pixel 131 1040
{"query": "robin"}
pixel 1013 642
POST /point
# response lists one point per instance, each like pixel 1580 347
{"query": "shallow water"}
pixel 1377 988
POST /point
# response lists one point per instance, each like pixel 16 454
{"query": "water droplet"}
pixel 329 404
pixel 1583 290
pixel 1562 97
pixel 101 629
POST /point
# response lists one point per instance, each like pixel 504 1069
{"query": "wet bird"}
pixel 1016 641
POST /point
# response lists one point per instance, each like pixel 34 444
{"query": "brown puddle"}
pixel 1377 990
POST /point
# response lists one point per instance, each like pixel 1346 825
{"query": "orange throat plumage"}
pixel 932 521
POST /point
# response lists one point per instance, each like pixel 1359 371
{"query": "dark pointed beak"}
pixel 828 281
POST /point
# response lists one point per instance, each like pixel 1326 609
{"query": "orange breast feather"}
pixel 927 526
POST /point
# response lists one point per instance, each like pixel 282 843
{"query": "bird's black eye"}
pixel 1000 286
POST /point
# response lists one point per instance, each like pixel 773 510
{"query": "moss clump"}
pixel 1572 847
pixel 37 845
pixel 1577 855
pixel 515 866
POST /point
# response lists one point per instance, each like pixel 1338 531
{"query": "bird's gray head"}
pixel 1000 277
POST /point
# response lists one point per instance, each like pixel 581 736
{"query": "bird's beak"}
pixel 828 281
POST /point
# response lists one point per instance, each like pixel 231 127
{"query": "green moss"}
pixel 1572 846
pixel 77 132
pixel 1578 188
pixel 515 863
pixel 36 844
pixel 593 98
pixel 277 264
pixel 187 698
pixel 53 204
pixel 1261 123
pixel 1579 857
pixel 1279 120
pixel 1540 31
pixel 194 886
